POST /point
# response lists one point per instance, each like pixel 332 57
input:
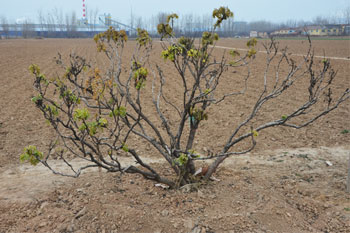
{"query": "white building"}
pixel 253 34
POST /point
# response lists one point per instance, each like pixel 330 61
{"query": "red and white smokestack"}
pixel 84 10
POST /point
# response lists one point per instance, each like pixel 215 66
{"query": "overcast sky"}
pixel 247 10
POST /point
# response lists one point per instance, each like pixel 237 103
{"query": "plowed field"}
pixel 285 185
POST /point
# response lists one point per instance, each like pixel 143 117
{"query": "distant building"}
pixel 315 30
pixel 346 29
pixel 334 30
pixel 262 34
pixel 253 34
pixel 256 34
pixel 287 32
pixel 326 30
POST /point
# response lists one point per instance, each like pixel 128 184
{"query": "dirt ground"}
pixel 294 181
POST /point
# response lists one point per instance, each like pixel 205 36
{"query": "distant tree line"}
pixel 190 24
pixel 56 23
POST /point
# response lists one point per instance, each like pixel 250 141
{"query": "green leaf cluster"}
pixel 182 159
pixel 101 47
pixel 165 30
pixel 186 43
pixel 52 109
pixel 207 91
pixel 37 99
pixel 171 52
pixel 251 52
pixel 198 114
pixel 234 53
pixel 198 54
pixel 32 155
pixel 171 17
pixel 118 37
pixel 68 73
pixel 140 76
pixel 252 42
pixel 112 34
pixel 125 147
pixel 255 133
pixel 208 38
pixel 143 37
pixel 94 126
pixel 91 126
pixel 193 53
pixel 325 61
pixel 103 122
pixel 81 114
pixel 40 78
pixel 221 14
pixel 251 45
pixel 69 96
pixel 34 69
pixel 141 73
pixel 121 111
pixel 345 131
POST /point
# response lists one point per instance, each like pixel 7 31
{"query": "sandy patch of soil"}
pixel 272 191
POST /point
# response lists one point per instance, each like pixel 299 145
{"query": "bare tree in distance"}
pixel 51 24
pixel 15 29
pixel 208 21
pixel 92 16
pixel 95 18
pixel 139 22
pixel 71 25
pixel 162 17
pixel 132 21
pixel 28 29
pixel 101 117
pixel 346 15
pixel 89 17
pixel 5 26
pixel 59 18
pixel 320 20
pixel 41 20
pixel 262 26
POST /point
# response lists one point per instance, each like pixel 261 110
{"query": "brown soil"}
pixel 285 185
